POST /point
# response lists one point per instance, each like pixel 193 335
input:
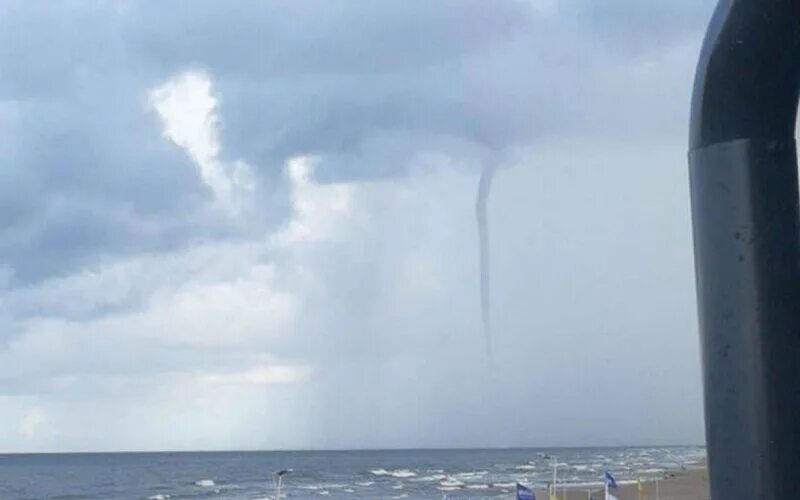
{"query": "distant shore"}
pixel 688 484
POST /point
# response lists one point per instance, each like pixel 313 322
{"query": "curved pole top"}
pixel 748 76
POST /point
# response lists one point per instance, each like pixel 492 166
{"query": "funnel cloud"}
pixel 484 188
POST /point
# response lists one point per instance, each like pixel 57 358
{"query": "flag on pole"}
pixel 610 483
pixel 524 493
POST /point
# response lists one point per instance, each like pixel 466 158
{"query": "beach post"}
pixel 553 491
pixel 744 196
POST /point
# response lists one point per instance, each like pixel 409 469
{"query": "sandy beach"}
pixel 689 484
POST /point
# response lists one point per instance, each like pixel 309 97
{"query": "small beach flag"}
pixel 610 483
pixel 524 493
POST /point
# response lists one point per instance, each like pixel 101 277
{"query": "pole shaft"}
pixel 743 173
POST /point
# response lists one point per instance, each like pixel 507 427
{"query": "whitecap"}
pixel 470 475
pixel 402 473
pixel 206 483
pixel 451 482
pixel 435 477
pixel 398 473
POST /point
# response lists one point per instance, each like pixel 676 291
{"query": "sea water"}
pixel 412 474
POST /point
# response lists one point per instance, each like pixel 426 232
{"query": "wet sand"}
pixel 690 484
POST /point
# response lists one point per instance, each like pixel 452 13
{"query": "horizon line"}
pixel 344 450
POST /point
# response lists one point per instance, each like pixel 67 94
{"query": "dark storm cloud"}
pixel 367 84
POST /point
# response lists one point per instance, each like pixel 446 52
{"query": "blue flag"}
pixel 524 493
pixel 610 480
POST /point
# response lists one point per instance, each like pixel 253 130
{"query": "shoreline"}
pixel 690 483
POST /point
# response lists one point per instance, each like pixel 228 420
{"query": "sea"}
pixel 391 474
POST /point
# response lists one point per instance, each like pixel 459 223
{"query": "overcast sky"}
pixel 229 225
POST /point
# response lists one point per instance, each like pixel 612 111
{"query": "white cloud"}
pixel 227 299
pixel 319 211
pixel 188 109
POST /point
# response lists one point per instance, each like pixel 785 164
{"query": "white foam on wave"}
pixel 470 475
pixel 402 473
pixel 323 493
pixel 434 477
pixel 365 483
pixel 478 486
pixel 160 496
pixel 525 467
pixel 323 486
pixel 205 483
pixel 397 486
pixel 451 482
pixel 398 473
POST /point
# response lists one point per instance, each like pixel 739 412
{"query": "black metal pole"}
pixel 744 186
